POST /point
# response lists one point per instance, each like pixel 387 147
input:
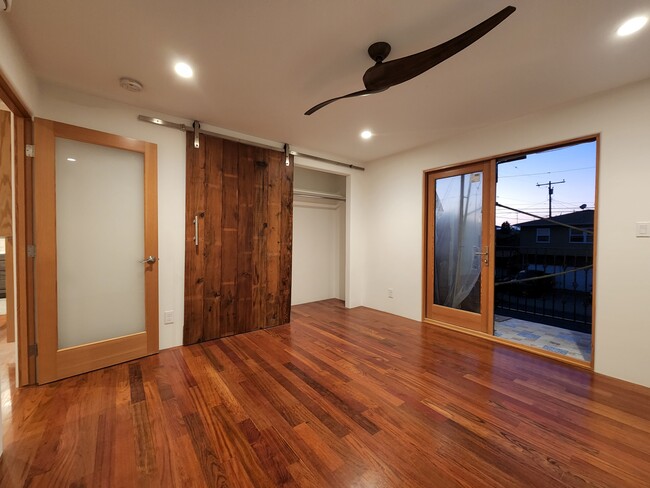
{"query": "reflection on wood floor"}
pixel 337 398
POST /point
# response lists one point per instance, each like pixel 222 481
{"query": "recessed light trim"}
pixel 632 25
pixel 366 134
pixel 183 70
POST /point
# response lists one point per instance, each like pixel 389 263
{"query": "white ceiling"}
pixel 260 64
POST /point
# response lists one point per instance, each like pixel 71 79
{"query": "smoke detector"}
pixel 130 84
pixel 5 5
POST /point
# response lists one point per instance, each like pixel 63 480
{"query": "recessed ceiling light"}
pixel 366 134
pixel 631 26
pixel 72 160
pixel 184 70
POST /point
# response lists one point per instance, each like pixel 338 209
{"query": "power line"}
pixel 548 172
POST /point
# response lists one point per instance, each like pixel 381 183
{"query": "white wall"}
pixel 318 251
pixel 15 69
pixel 622 117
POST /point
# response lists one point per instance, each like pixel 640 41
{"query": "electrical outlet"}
pixel 169 317
pixel 390 293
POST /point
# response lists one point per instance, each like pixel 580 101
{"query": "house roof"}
pixel 260 65
pixel 583 218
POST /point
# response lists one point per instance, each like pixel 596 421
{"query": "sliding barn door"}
pixel 239 214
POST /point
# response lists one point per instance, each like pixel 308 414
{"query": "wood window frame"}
pixel 425 236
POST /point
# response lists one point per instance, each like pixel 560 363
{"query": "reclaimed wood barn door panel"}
pixel 239 217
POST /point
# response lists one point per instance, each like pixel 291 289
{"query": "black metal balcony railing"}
pixel 549 286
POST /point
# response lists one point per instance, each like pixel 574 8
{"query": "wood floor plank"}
pixel 335 398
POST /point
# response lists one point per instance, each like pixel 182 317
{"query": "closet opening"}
pixel 319 236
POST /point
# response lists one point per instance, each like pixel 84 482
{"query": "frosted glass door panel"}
pixel 457 248
pixel 100 242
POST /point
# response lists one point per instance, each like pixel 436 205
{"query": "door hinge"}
pixel 31 251
pixel 32 350
pixel 29 150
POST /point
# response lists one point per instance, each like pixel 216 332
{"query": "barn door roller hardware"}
pixel 196 128
pixel 197 132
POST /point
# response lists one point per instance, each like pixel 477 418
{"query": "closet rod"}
pixel 279 147
pixel 312 194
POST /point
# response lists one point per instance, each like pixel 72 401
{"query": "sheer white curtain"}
pixel 457 260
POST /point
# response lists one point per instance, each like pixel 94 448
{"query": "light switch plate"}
pixel 169 317
pixel 643 229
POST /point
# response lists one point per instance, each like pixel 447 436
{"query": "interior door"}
pixel 459 233
pixel 96 237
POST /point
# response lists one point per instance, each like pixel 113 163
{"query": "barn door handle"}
pixel 196 227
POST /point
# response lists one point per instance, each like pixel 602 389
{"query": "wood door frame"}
pixel 483 321
pixel 54 363
pixel 23 236
pixel 490 334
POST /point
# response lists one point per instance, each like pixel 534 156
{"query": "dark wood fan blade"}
pixel 384 75
pixel 349 95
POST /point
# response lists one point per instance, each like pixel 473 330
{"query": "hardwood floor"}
pixel 341 398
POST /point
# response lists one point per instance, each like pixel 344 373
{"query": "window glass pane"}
pixel 543 234
pixel 100 242
pixel 457 242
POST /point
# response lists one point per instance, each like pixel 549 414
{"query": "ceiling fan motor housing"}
pixel 379 51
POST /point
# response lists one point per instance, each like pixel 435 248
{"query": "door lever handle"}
pixel 485 255
pixel 149 260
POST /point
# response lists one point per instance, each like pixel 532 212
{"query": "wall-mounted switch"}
pixel 643 229
pixel 169 317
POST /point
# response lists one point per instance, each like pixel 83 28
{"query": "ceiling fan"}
pixel 382 75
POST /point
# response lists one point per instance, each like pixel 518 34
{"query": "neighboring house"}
pixel 545 237
pixel 552 247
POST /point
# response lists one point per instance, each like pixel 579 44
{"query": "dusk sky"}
pixel 517 182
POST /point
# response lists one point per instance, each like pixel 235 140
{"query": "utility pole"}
pixel 550 192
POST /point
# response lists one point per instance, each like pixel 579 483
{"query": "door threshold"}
pixel 522 347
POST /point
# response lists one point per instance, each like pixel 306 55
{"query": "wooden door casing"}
pixel 5 174
pixel 54 363
pixel 239 204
